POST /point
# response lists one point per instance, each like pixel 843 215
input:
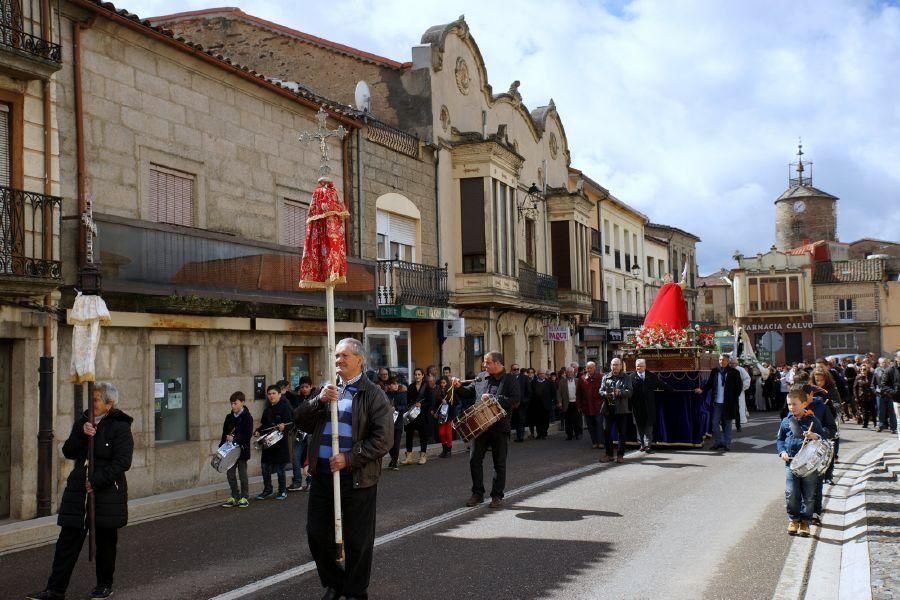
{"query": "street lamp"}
pixel 636 272
pixel 528 204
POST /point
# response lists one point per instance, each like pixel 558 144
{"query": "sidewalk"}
pixel 854 554
pixel 22 535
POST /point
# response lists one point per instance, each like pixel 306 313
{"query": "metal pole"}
pixel 45 435
pixel 335 436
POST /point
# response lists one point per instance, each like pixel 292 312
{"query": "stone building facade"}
pixel 199 188
pixel 391 168
pixel 803 213
pixel 30 257
pixel 682 259
pixel 715 301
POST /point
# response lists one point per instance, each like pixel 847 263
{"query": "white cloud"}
pixel 688 110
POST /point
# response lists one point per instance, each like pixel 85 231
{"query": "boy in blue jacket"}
pixel 800 492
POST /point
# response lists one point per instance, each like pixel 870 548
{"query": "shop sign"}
pixel 780 325
pixel 592 352
pixel 455 328
pixel 615 336
pixel 409 311
pixel 593 334
pixel 558 333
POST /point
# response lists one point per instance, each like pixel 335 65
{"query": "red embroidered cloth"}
pixel 669 309
pixel 324 259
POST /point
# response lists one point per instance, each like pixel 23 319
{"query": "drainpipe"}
pixel 359 186
pixel 348 187
pixel 45 365
pixel 437 229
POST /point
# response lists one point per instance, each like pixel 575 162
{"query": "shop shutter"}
pixel 171 197
pixel 294 223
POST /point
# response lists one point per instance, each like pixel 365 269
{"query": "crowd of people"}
pixel 376 410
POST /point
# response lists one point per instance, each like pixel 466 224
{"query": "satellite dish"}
pixel 363 97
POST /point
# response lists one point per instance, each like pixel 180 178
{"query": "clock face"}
pixel 799 206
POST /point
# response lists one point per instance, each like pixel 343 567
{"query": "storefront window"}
pixel 170 394
pixel 389 348
pixel 474 353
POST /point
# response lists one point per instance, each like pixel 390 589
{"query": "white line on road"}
pixel 757 443
pixel 261 584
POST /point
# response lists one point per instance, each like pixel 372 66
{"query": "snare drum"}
pixel 411 415
pixel 814 457
pixel 269 440
pixel 478 418
pixel 225 457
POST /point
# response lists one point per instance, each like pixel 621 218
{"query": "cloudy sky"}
pixel 688 110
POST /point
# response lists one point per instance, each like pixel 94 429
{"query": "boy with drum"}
pixel 277 416
pixel 238 429
pixel 800 492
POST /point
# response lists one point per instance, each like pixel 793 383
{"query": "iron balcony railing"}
pixel 153 259
pixel 856 315
pixel 624 320
pixel 404 282
pixel 537 286
pixel 600 311
pixel 29 235
pixel 21 27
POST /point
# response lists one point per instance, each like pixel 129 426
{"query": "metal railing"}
pixel 600 311
pixel 26 220
pixel 147 258
pixel 856 315
pixel 537 286
pixel 21 26
pixel 393 138
pixel 625 320
pixel 403 282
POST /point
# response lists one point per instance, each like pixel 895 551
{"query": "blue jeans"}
pixel 723 435
pixel 299 457
pixel 267 477
pixel 799 494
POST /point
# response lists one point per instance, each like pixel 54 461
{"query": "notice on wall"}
pixel 174 401
pixel 159 389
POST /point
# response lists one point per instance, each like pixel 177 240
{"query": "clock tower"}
pixel 803 213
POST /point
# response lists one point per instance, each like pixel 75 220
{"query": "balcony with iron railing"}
pixel 538 287
pixel 625 320
pixel 29 242
pixel 600 311
pixel 837 317
pixel 403 282
pixel 145 258
pixel 25 50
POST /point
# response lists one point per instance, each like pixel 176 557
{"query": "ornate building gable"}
pixel 455 55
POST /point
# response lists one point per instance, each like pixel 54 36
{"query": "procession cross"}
pixel 322 134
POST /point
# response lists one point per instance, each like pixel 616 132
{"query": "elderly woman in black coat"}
pixel 113 448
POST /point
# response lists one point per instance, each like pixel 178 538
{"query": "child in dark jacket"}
pixel 238 429
pixel 800 492
pixel 397 398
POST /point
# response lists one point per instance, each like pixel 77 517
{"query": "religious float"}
pixel 681 355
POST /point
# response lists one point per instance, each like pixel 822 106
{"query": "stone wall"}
pixel 818 221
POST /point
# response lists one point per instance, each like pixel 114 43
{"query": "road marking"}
pixel 757 443
pixel 256 586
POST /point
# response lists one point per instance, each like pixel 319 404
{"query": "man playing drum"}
pixel 505 388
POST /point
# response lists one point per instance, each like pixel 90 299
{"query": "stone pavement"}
pixel 854 554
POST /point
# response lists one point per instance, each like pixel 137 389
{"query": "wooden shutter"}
pixel 294 223
pixel 171 196
pixel 559 245
pixel 471 193
pixel 5 146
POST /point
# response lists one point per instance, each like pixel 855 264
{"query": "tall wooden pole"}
pixel 335 434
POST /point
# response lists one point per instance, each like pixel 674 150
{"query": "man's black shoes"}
pixel 331 594
pixel 102 591
pixel 46 595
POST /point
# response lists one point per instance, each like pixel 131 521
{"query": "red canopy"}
pixel 669 309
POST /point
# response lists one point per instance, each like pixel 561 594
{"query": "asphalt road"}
pixel 679 524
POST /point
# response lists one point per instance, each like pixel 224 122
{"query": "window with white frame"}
pixel 171 196
pixel 293 223
pixel 840 340
pixel 845 309
pixel 396 236
pixel 505 229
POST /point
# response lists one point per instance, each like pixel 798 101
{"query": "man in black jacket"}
pixel 726 385
pixel 113 449
pixel 543 397
pixel 644 385
pixel 277 415
pixel 366 433
pixel 519 414
pixel 504 386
